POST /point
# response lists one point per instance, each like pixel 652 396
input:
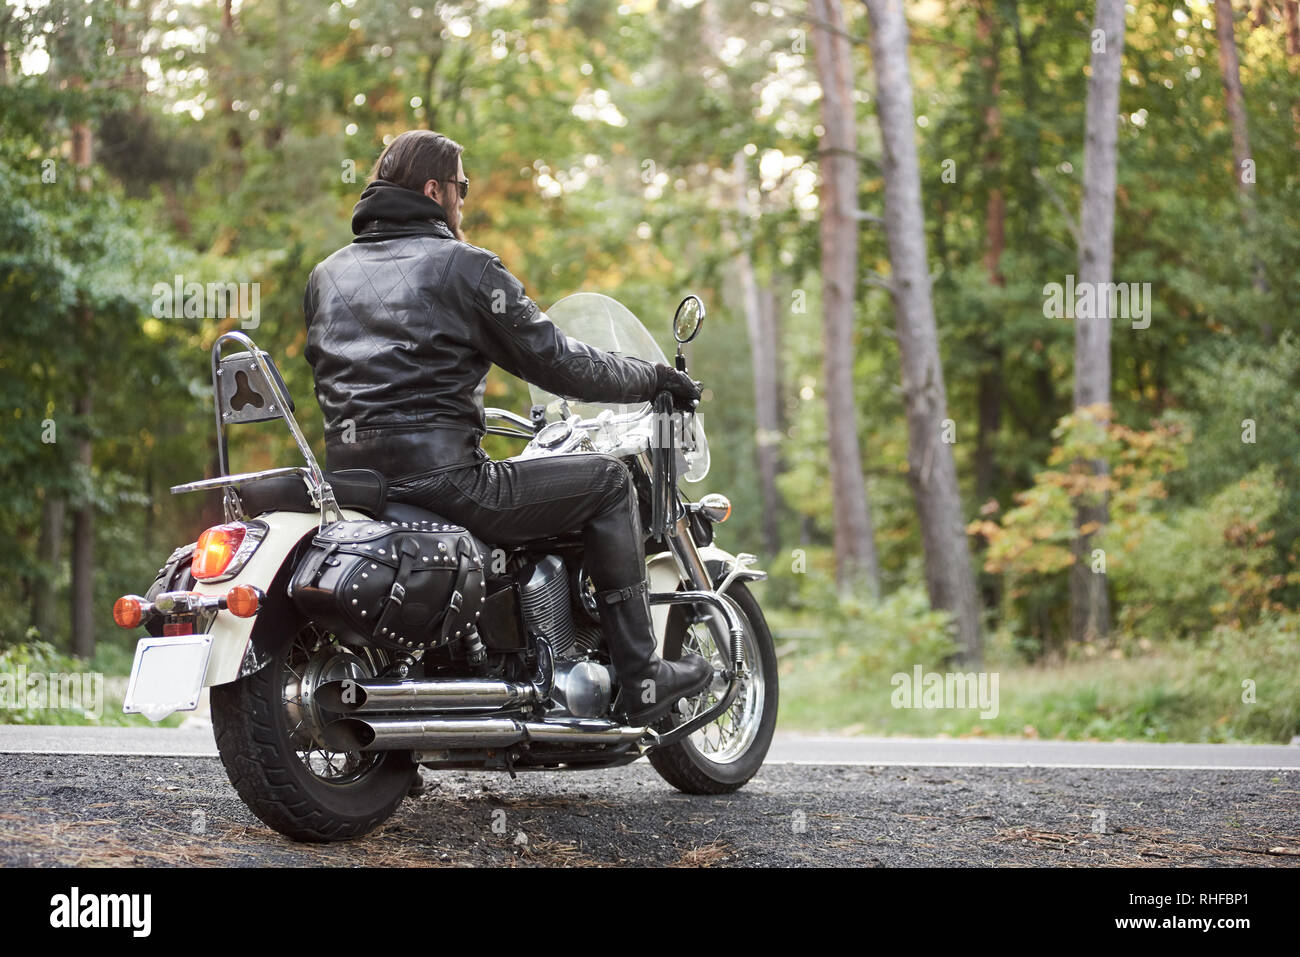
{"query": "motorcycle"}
pixel 322 728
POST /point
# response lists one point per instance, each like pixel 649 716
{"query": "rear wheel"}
pixel 267 728
pixel 724 755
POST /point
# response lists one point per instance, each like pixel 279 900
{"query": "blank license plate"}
pixel 167 675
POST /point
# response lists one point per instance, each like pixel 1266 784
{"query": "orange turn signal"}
pixel 128 611
pixel 242 601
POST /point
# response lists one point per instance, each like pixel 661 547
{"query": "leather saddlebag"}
pixel 405 586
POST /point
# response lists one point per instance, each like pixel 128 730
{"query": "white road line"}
pixel 113 754
pixel 846 763
pixel 1033 764
pixel 789 748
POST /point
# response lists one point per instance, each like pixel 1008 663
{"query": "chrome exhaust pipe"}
pixel 370 695
pixel 418 733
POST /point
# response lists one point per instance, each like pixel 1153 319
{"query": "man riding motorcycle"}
pixel 402 326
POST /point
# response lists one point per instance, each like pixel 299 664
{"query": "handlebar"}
pixel 508 416
pixel 527 431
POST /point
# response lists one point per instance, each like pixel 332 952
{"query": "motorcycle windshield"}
pixel 607 324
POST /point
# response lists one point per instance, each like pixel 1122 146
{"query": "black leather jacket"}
pixel 402 327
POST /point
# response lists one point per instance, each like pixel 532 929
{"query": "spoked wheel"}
pixel 268 725
pixel 723 755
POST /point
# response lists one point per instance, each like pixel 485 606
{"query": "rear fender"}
pixel 241 646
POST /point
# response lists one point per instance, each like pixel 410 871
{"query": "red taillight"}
pixel 216 547
pixel 128 611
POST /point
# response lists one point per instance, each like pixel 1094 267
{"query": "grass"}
pixel 111 663
pixel 1188 692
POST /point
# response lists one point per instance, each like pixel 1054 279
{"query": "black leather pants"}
pixel 510 502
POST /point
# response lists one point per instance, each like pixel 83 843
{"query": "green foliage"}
pixel 893 634
pixel 1244 398
pixel 41 685
pixel 76 270
pixel 878 637
pixel 1033 544
pixel 1229 685
pixel 1202 565
pixel 1175 569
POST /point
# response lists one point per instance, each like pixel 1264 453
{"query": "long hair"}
pixel 417 156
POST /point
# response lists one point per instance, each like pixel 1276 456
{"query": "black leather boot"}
pixel 648 685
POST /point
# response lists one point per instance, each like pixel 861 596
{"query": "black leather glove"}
pixel 685 390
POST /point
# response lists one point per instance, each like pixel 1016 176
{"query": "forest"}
pixel 1000 362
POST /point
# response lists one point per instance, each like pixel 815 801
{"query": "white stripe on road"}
pixel 1033 764
pixel 787 748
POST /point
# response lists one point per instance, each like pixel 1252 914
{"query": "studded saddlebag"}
pixel 400 585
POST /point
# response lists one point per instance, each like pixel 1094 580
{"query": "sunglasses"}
pixel 463 185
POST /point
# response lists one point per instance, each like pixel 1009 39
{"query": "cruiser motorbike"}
pixel 323 717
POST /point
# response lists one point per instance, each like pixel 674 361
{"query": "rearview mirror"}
pixel 689 319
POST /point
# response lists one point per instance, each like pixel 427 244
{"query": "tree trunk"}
pixel 83 517
pixel 932 473
pixel 49 553
pixel 1291 21
pixel 234 139
pixel 430 75
pixel 1089 602
pixel 760 323
pixel 856 561
pixel 1235 102
pixel 990 383
pixel 772 419
pixel 83 537
pixel 283 69
pixel 1258 13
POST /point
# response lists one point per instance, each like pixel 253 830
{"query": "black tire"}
pixel 253 739
pixel 681 764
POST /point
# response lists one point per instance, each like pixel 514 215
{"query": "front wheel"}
pixel 267 727
pixel 721 756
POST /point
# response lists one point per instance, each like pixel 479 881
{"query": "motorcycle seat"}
pixel 364 490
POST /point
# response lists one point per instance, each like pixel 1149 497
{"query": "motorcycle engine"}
pixel 583 688
pixel 544 601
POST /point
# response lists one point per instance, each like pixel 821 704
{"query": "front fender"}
pixel 662 575
pixel 241 645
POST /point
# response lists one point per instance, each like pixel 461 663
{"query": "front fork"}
pixel 693 572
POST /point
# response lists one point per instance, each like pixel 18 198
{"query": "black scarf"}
pixel 387 210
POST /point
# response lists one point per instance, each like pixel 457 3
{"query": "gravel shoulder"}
pixel 97 810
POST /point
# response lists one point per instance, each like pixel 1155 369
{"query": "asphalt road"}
pixel 133 810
